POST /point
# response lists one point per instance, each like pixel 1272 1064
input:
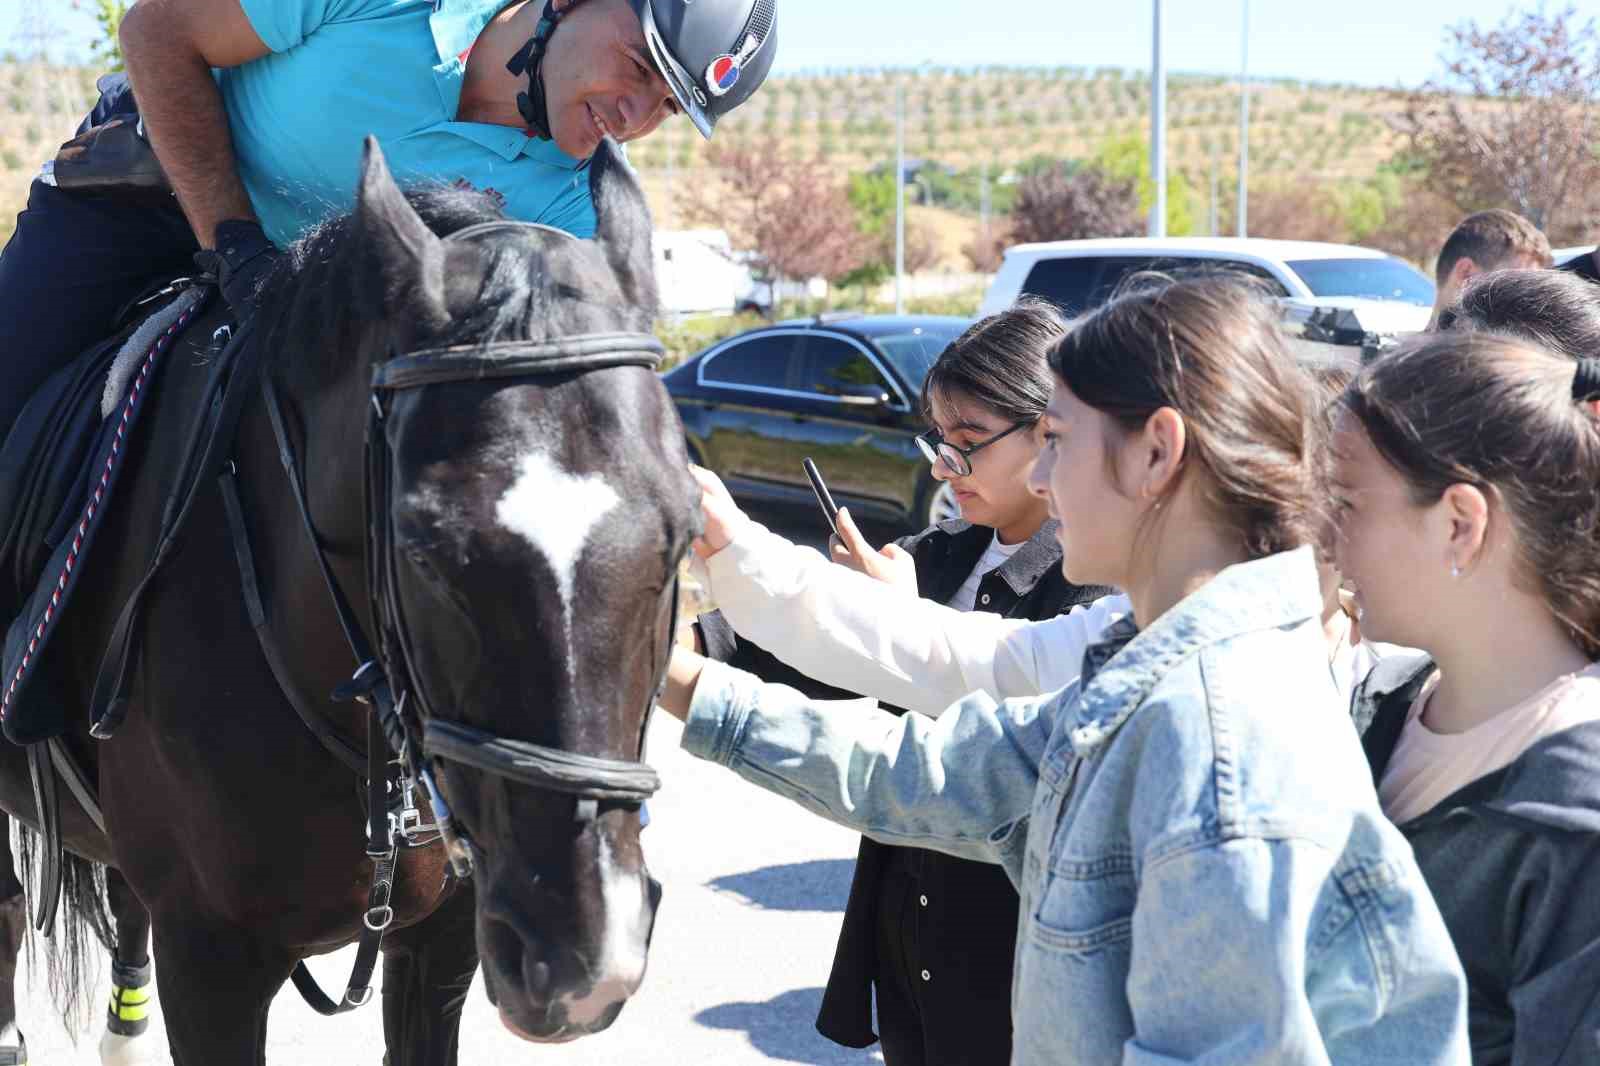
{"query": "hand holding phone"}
pixel 830 510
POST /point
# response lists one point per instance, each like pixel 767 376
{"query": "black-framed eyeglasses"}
pixel 958 459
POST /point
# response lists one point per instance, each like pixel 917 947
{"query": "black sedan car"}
pixel 842 389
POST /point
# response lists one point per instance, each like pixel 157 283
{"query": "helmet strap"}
pixel 529 60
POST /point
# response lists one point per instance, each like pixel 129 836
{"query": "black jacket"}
pixel 1513 860
pixel 1029 585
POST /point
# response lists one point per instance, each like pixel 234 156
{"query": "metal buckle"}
pixel 378 924
pixel 358 997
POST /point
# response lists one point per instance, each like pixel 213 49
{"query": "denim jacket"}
pixel 1205 872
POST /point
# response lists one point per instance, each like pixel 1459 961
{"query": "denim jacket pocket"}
pixel 1085 906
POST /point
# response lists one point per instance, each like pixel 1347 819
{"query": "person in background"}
pixel 1586 267
pixel 930 936
pixel 1204 870
pixel 1466 472
pixel 1485 242
pixel 1553 308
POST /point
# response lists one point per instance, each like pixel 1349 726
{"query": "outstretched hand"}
pixel 891 564
pixel 724 519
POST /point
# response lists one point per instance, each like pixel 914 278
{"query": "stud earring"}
pixel 1455 571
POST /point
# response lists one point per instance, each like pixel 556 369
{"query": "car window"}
pixel 1084 283
pixel 1376 279
pixel 913 353
pixel 760 362
pixel 834 365
pixel 1066 283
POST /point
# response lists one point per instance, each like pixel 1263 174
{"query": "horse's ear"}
pixel 622 225
pixel 406 257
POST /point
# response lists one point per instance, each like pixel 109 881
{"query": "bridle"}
pixel 404 719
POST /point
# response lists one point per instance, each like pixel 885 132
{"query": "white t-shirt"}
pixel 994 556
pixel 1427 767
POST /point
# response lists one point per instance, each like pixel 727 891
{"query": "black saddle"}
pixel 53 463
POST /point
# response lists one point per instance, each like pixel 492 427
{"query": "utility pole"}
pixel 1214 217
pixel 899 196
pixel 1244 125
pixel 983 198
pixel 1158 129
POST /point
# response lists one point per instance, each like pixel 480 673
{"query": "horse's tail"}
pixel 84 922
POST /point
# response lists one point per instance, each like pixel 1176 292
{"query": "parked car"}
pixel 1081 275
pixel 843 390
pixel 1564 256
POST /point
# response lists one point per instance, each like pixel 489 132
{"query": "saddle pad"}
pixel 64 523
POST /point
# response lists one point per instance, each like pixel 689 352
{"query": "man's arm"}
pixel 170 47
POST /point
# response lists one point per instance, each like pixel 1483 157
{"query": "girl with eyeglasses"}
pixel 929 936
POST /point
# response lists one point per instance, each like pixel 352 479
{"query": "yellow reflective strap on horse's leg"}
pixel 131 1004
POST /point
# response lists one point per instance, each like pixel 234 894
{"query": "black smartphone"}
pixel 830 510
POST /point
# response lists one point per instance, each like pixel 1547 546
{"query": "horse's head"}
pixel 536 523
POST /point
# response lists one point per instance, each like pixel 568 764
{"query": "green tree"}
pixel 1128 158
pixel 108 16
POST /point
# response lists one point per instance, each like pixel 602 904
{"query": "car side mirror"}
pixel 862 396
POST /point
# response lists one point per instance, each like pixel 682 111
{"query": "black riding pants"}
pixel 74 261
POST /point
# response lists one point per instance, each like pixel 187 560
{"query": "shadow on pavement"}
pixel 818 885
pixel 784 1029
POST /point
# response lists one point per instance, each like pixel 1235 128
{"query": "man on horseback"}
pixel 256 110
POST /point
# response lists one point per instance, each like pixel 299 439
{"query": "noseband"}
pixel 593 780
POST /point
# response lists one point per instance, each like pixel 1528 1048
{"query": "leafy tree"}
pixel 1128 159
pixel 1513 122
pixel 1062 204
pixel 108 15
pixel 791 213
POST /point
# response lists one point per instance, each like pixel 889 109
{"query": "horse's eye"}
pixel 421 560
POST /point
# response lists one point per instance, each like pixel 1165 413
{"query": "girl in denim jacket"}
pixel 1204 870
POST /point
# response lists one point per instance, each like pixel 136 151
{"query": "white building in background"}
pixel 699 273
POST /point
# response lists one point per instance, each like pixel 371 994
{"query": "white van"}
pixel 1081 275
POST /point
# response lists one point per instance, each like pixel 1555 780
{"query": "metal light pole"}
pixel 1158 130
pixel 1244 125
pixel 899 196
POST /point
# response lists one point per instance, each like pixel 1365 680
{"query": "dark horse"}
pixel 533 527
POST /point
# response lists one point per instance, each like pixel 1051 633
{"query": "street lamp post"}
pixel 1158 129
pixel 1244 125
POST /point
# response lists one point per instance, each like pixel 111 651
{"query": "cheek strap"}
pixel 529 60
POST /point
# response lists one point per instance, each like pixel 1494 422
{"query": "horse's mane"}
pixel 319 296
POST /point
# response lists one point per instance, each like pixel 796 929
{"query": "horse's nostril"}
pixel 536 975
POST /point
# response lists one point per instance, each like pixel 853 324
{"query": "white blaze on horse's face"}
pixel 555 512
pixel 624 943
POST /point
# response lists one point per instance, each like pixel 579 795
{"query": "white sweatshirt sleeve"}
pixel 846 629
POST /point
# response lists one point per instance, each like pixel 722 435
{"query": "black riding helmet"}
pixel 712 53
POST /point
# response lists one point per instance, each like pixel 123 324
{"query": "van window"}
pixel 1083 283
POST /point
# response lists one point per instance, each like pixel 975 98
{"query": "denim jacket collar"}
pixel 1120 670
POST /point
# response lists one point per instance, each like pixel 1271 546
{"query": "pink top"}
pixel 1427 767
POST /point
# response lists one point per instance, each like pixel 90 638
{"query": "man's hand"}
pixel 241 262
pixel 724 520
pixel 891 564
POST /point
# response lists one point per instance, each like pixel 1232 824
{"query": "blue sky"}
pixel 1371 42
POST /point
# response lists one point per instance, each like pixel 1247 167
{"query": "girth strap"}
pixel 231 383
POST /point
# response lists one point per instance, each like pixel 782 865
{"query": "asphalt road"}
pixel 754 890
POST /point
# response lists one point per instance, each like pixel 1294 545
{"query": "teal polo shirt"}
pixel 341 69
